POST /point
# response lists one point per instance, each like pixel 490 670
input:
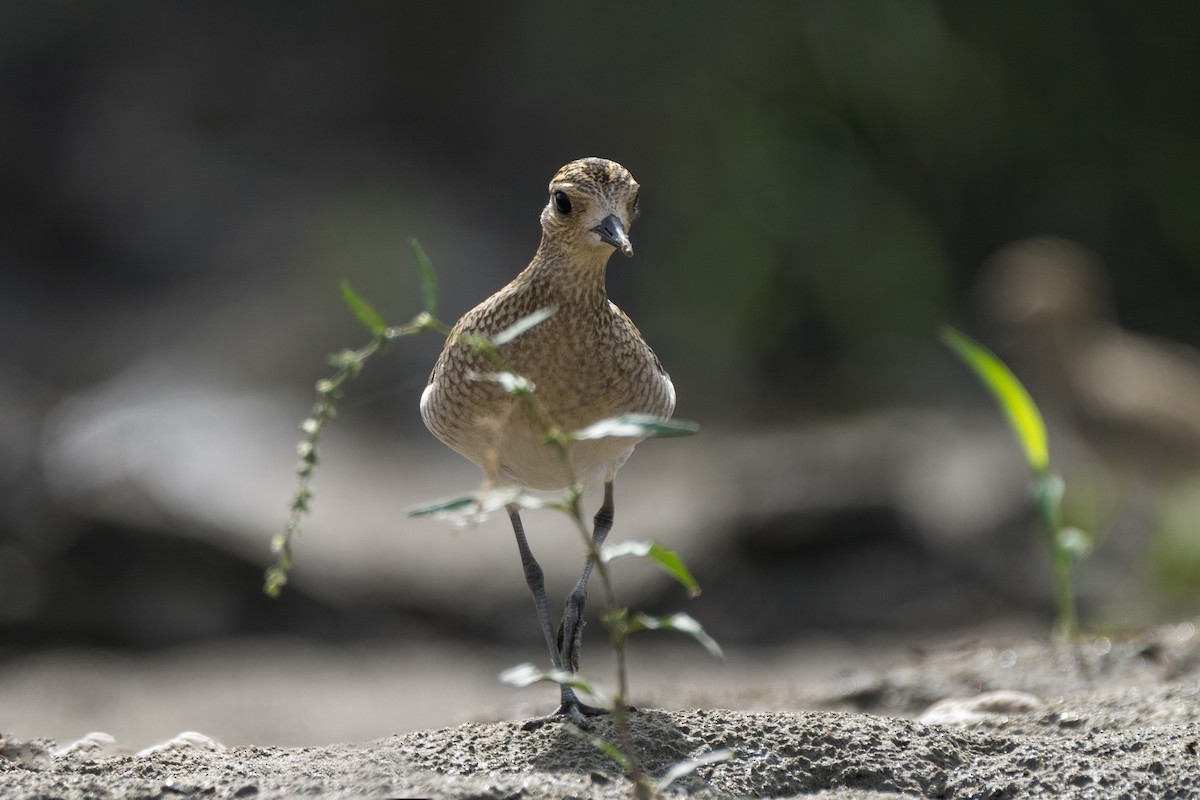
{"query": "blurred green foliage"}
pixel 843 168
pixel 1067 543
pixel 1174 567
pixel 821 181
pixel 821 178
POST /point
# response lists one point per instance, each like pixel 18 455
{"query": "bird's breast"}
pixel 587 363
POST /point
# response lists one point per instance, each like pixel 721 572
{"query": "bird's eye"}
pixel 562 202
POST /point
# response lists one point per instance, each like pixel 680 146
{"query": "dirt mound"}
pixel 1096 719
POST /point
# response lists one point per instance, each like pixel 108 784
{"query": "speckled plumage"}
pixel 588 361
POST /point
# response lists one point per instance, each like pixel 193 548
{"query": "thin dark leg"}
pixel 570 630
pixel 533 577
pixel 570 705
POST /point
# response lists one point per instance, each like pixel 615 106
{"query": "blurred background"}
pixel 183 185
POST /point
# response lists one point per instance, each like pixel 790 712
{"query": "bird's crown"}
pixel 600 173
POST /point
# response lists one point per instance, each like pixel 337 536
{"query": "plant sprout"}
pixel 1067 544
pixel 348 363
pixel 620 622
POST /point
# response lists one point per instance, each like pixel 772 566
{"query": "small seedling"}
pixel 1067 544
pixel 348 364
pixel 619 621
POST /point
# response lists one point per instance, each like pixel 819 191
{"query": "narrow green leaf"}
pixel 688 766
pixel 427 277
pixel 446 506
pixel 522 325
pixel 524 675
pixel 473 508
pixel 676 622
pixel 1023 415
pixel 664 557
pixel 363 311
pixel 636 425
pixel 511 382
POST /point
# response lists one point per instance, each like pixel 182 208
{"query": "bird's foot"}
pixel 576 713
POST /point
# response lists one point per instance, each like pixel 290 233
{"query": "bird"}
pixel 587 362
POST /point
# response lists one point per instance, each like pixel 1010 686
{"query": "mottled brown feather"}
pixel 588 361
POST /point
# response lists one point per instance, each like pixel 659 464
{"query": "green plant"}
pixel 348 364
pixel 619 621
pixel 1067 544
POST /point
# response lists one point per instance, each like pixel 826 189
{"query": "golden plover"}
pixel 587 362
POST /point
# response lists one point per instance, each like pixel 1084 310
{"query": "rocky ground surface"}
pixel 1104 717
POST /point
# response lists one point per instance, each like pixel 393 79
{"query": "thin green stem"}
pixel 349 364
pixel 1067 623
pixel 559 440
pixel 1048 490
pixel 616 620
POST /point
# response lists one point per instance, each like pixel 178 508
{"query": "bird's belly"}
pixel 575 386
pixel 535 464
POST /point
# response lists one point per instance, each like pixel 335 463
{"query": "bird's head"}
pixel 593 203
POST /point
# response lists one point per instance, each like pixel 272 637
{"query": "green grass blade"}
pixel 664 557
pixel 683 623
pixel 363 310
pixel 427 277
pixel 1023 415
pixel 523 324
pixel 636 425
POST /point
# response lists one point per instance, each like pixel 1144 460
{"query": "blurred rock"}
pixel 896 520
pixel 994 705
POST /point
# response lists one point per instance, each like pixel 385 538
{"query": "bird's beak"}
pixel 612 231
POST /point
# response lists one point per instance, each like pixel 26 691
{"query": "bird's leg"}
pixel 570 706
pixel 533 577
pixel 570 630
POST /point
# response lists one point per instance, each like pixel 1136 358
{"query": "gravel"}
pixel 1100 718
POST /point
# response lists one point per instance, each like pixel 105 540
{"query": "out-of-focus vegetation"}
pixel 821 179
pixel 1066 544
pixel 183 184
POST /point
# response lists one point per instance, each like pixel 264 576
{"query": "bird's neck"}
pixel 569 273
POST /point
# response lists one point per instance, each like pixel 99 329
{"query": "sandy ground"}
pixel 1105 717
